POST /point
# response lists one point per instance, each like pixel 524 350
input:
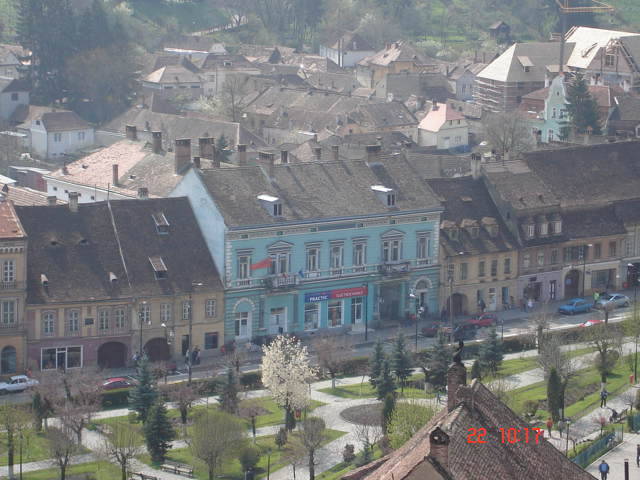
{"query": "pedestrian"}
pixel 549 426
pixel 530 304
pixel 482 305
pixel 523 305
pixel 197 350
pixel 638 455
pixel 596 297
pixel 604 470
pixel 443 315
pixel 603 398
pixel 136 358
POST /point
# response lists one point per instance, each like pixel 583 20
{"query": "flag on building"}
pixel 266 263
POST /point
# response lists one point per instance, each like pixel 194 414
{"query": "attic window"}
pixel 162 225
pixel 475 232
pixel 227 63
pixel 385 194
pixel 272 204
pixel 54 243
pixel 391 199
pixel 44 280
pixel 83 242
pixel 112 277
pixel 159 268
pixel 277 209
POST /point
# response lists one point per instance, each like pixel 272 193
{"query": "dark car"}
pixel 484 320
pixel 117 382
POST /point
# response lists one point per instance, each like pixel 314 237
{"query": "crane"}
pixel 565 8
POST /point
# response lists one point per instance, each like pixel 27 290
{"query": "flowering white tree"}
pixel 286 372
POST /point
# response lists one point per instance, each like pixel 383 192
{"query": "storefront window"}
pixel 335 313
pixel 356 310
pixel 311 316
pixel 61 358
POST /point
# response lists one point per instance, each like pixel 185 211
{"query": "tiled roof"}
pixel 77 251
pixel 61 121
pixel 588 42
pixel 214 61
pixel 435 119
pixel 395 52
pixel 384 115
pixel 478 408
pixel 24 196
pixel 316 190
pixel 10 225
pixel 14 85
pixel 173 74
pixel 24 114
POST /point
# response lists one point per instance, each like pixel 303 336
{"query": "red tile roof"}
pixel 10 226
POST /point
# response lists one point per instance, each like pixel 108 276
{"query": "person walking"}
pixel 530 304
pixel 596 297
pixel 603 398
pixel 603 468
pixel 549 426
pixel 638 455
pixel 482 305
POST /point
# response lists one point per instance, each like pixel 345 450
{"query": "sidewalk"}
pixel 615 458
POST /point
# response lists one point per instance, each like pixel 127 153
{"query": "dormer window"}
pixel 159 268
pixel 272 204
pixel 162 225
pixel 385 194
pixel 391 200
pixel 453 233
pixel 531 230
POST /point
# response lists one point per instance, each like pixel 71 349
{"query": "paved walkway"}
pixel 615 458
pixel 45 464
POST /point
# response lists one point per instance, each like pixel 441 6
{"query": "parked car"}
pixel 576 305
pixel 17 383
pixel 432 329
pixel 590 323
pixel 612 300
pixel 483 320
pixel 117 382
pixel 464 332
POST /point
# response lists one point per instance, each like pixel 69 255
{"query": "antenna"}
pixel 565 8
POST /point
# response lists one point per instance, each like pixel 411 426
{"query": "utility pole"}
pixel 190 343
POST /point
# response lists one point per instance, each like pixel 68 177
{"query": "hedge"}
pixel 355 366
pixel 251 380
pixel 116 398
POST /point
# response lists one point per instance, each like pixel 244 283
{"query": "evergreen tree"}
pixel 375 363
pixel 385 383
pixel 491 352
pixel 222 149
pixel 144 394
pixel 582 108
pixel 401 361
pixel 475 370
pixel 158 432
pixel 281 438
pixel 93 27
pixel 435 363
pixel 229 396
pixel 387 410
pixel 554 395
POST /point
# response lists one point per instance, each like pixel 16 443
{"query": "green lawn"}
pixel 587 380
pixel 231 470
pixel 96 470
pixel 35 448
pixel 337 471
pixel 365 390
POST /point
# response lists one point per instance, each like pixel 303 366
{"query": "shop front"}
pixel 541 287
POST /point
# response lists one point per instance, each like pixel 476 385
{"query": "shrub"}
pixel 349 453
pixel 249 458
pixel 355 366
pixel 251 380
pixel 115 398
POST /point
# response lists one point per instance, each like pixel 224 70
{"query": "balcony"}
pixel 394 269
pixel 7 286
pixel 11 327
pixel 281 282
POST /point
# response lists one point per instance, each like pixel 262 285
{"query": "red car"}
pixel 434 327
pixel 590 323
pixel 117 382
pixel 484 320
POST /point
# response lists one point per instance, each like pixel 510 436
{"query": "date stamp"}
pixel 507 435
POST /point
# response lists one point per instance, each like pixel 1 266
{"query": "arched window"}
pixel 8 360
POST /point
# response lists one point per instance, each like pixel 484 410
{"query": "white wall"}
pixel 88 194
pixel 207 215
pixel 430 139
pixel 8 106
pixel 351 58
pixel 70 142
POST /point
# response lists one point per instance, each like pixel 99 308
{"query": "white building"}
pixel 56 134
pixel 13 93
pixel 443 128
pixel 347 50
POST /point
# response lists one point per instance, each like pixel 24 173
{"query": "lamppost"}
pixel 142 307
pixel 584 263
pixel 419 310
pixel 450 275
pixel 189 352
pixel 568 424
pixel 634 269
pixel 366 319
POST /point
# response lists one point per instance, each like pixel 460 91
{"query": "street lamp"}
pixel 189 353
pixel 141 308
pixel 634 269
pixel 419 310
pixel 584 263
pixel 366 318
pixel 568 424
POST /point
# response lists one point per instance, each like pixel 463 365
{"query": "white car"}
pixel 612 300
pixel 17 383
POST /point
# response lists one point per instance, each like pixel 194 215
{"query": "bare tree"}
pixel 83 393
pixel 294 454
pixel 629 399
pixel 123 443
pixel 14 420
pixel 332 352
pixel 509 133
pixel 552 355
pixel 368 436
pixel 607 340
pixel 311 436
pixel 215 437
pixel 46 395
pixel 500 388
pixel 184 397
pixel 250 409
pixel 233 93
pixel 61 448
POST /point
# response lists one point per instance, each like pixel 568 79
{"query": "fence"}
pixel 633 422
pixel 597 449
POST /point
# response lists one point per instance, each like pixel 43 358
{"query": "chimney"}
pixel 242 155
pixel 484 57
pixel 456 377
pixel 65 170
pixel 317 153
pixel 434 105
pixel 373 152
pixel 335 149
pixel 207 147
pixel 143 193
pixel 131 132
pixel 114 174
pixel 52 200
pixel 439 447
pixel 475 165
pixel 157 141
pixel 73 201
pixel 196 162
pixel 182 154
pixel 284 157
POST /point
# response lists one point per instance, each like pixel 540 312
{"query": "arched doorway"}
pixel 157 349
pixel 112 355
pixel 572 284
pixel 8 360
pixel 459 304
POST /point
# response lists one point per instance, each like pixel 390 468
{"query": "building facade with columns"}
pixel 319 246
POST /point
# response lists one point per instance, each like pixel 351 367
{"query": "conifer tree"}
pixel 158 432
pixel 554 395
pixel 401 361
pixel 582 108
pixel 229 396
pixel 375 363
pixel 385 383
pixel 144 394
pixel 476 371
pixel 491 353
pixel 388 407
pixel 436 363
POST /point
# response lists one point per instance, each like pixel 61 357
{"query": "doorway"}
pixel 112 355
pixel 572 284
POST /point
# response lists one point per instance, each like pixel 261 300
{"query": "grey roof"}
pixel 338 82
pixel 523 191
pixel 384 115
pixel 63 121
pixel 632 45
pixel 76 251
pixel 14 85
pixel 627 108
pixel 316 190
pixel 428 85
pixel 215 61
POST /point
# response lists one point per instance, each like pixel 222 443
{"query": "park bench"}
pixel 178 468
pixel 143 476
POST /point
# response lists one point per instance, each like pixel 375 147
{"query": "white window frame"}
pixel 186 309
pixel 73 320
pixel 244 267
pixel 57 137
pixel 81 136
pixel 120 317
pixel 359 255
pixel 8 311
pixel 313 261
pixel 104 317
pixel 165 313
pixel 315 309
pixel 49 323
pixel 144 313
pixel 392 250
pixel 9 270
pixel 357 309
pixel 423 247
pixel 239 318
pixel 330 306
pixel 210 307
pixel 336 258
pixel 66 356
